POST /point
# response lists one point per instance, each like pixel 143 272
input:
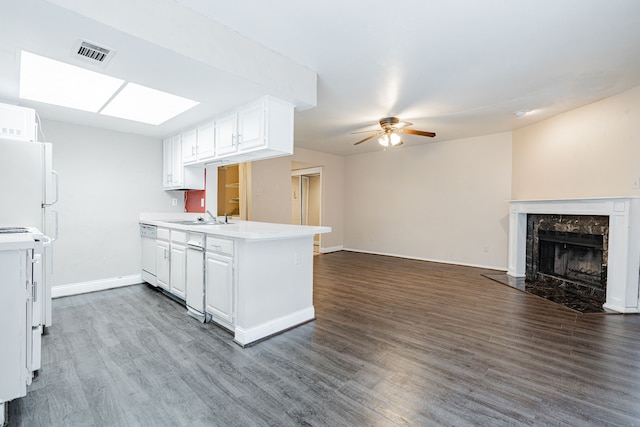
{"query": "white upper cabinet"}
pixel 251 126
pixel 226 135
pixel 256 131
pixel 175 176
pixel 198 144
pixel 167 163
pixel 189 146
pixel 177 172
pixel 206 141
pixel 264 129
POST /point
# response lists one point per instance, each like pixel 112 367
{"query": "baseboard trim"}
pixel 331 249
pixel 439 261
pixel 246 336
pixel 94 285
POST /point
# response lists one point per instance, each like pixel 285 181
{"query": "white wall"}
pixel 445 201
pixel 333 178
pixel 106 179
pixel 270 190
pixel 588 152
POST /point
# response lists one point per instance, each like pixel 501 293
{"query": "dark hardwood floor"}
pixel 396 343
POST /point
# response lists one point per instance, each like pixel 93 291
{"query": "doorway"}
pixel 306 200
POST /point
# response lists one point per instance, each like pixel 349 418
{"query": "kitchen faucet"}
pixel 213 218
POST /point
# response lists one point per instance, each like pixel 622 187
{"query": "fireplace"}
pixel 568 254
pixel 590 245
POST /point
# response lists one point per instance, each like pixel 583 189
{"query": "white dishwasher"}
pixel 195 276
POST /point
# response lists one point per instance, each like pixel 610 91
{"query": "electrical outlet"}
pixel 202 203
pixel 174 202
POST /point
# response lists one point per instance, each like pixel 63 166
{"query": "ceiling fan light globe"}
pixel 384 140
pixel 395 139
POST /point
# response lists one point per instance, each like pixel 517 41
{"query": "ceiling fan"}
pixel 389 134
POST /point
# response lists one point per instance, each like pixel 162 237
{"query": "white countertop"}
pixel 17 241
pixel 238 229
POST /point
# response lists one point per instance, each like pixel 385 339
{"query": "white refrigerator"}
pixel 28 190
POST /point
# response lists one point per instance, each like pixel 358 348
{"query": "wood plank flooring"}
pixel 396 343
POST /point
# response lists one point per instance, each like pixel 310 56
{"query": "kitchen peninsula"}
pixel 255 279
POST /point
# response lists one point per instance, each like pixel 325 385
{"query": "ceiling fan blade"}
pixel 366 139
pixel 403 124
pixel 419 132
pixel 364 131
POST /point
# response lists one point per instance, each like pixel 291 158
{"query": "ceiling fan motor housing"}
pixel 389 122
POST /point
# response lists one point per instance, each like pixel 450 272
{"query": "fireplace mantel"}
pixel 623 272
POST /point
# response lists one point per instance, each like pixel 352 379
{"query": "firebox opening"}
pixel 566 259
pixel 575 257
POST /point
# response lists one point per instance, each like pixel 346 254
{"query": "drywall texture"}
pixel 592 151
pixel 106 179
pixel 445 201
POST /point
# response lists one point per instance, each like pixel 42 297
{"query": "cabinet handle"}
pixel 239 138
pixel 193 150
pixel 233 140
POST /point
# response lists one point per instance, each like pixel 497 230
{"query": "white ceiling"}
pixel 459 68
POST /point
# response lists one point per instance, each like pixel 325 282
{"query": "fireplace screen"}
pixel 576 257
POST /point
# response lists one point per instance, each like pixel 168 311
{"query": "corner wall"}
pixel 593 151
pixel 106 179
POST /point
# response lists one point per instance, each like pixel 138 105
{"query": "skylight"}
pixel 54 82
pixel 143 104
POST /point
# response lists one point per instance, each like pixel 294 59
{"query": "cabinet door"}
pixel 162 264
pixel 251 122
pixel 226 128
pixel 178 270
pixel 176 161
pixel 219 286
pixel 166 163
pixel 189 143
pixel 206 141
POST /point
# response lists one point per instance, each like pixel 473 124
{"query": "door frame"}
pixel 313 172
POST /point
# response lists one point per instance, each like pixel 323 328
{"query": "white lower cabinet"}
pixel 163 255
pixel 178 270
pixel 171 261
pixel 219 281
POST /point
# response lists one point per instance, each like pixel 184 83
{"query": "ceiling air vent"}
pixel 92 53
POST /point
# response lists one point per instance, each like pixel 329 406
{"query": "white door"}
pixel 206 141
pixel 251 122
pixel 189 146
pixel 219 294
pixel 176 161
pixel 225 132
pixel 162 264
pixel 167 164
pixel 178 270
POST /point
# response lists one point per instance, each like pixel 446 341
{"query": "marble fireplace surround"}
pixel 623 272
